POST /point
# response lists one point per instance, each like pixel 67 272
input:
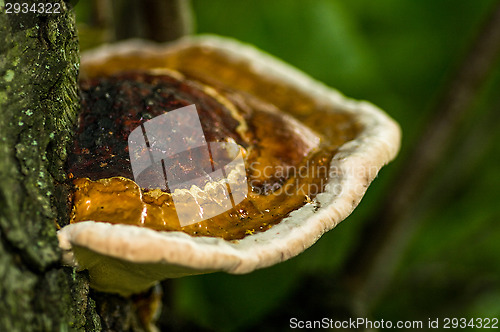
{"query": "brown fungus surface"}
pixel 281 120
pixel 286 161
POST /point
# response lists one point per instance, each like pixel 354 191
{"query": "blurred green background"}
pixel 397 54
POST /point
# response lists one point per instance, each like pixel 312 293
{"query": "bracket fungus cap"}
pixel 127 259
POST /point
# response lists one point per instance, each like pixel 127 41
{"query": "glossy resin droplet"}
pixel 281 119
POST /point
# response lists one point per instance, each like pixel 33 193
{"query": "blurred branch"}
pixel 101 13
pixel 383 240
pixel 370 267
pixel 471 151
pixel 158 20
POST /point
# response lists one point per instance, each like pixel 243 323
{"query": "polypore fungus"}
pixel 308 156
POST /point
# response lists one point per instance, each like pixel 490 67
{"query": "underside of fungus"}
pixel 309 155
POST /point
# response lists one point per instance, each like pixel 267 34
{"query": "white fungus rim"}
pixel 352 169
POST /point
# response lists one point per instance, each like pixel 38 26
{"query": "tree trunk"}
pixel 38 106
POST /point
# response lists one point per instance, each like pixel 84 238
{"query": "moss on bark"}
pixel 38 106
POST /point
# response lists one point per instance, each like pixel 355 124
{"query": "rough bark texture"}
pixel 38 105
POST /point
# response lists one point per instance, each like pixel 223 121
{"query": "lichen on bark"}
pixel 38 106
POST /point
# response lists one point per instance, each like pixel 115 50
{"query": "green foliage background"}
pixel 397 54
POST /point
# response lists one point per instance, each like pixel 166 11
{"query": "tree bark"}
pixel 38 106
